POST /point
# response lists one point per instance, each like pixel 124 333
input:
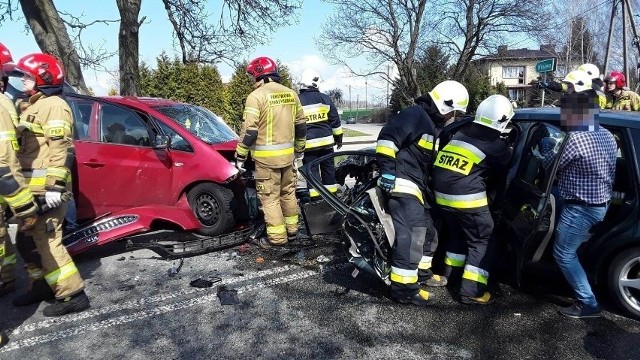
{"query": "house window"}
pixel 516 94
pixel 513 72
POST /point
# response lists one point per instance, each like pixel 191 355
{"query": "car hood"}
pixel 226 146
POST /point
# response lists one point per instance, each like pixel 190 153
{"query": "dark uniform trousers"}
pixel 413 229
pixel 430 246
pixel 326 170
pixel 470 249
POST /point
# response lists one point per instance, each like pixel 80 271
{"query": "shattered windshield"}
pixel 201 122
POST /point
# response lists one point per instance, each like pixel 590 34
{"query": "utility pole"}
pixel 350 103
pixel 366 97
pixel 627 15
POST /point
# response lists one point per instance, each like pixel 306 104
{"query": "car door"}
pixel 117 167
pixel 525 218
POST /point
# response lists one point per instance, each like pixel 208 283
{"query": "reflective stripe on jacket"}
pixel 45 132
pixel 323 122
pixel 274 125
pixel 461 168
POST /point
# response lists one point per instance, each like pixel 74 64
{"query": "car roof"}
pixel 629 119
pixel 132 101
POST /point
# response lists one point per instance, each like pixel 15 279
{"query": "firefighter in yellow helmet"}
pixel 45 132
pixel 460 175
pixel 592 72
pixel 274 131
pixel 13 190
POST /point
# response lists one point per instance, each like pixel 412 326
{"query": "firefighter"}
pixel 459 182
pixel 324 130
pixel 274 130
pixel 14 192
pixel 5 101
pixel 405 150
pixel 45 132
pixel 617 97
pixel 597 84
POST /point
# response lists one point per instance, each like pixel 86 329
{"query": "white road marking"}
pixel 158 310
pixel 147 301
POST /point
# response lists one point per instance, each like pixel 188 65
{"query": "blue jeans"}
pixel 572 231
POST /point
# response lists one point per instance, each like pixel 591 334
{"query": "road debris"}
pixel 260 259
pixel 205 283
pixel 227 296
pixel 173 270
pixel 322 259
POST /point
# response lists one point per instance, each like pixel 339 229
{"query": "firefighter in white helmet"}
pixel 324 130
pixel 459 182
pixel 405 150
pixel 591 71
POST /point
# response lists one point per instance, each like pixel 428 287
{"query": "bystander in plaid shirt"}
pixel 587 166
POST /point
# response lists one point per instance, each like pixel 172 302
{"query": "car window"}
pixel 539 155
pixel 81 109
pixel 121 126
pixel 177 141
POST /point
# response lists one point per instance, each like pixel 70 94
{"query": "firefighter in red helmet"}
pixel 45 132
pixel 618 98
pixel 274 132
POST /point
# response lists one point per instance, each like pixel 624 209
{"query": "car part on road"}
pixel 4 339
pixel 205 283
pixel 211 204
pixel 623 277
pixel 175 245
pixel 227 296
pixel 174 270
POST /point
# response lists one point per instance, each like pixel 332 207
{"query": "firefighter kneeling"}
pixel 459 178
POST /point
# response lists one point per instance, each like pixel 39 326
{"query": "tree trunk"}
pixel 52 37
pixel 128 43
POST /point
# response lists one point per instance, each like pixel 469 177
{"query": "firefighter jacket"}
pixel 628 100
pixel 461 167
pixel 45 132
pixel 404 149
pixel 323 122
pixel 13 188
pixel 274 125
pixel 6 103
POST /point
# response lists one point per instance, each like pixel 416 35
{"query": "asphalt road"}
pixel 293 307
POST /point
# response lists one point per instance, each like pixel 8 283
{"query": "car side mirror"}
pixel 162 142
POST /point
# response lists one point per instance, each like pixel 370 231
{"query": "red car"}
pixel 145 164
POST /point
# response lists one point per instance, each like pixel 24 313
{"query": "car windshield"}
pixel 201 122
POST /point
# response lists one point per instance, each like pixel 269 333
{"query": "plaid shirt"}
pixel 587 166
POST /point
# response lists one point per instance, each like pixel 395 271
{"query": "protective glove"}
pixel 297 161
pixel 240 162
pixel 53 199
pixel 338 140
pixel 387 182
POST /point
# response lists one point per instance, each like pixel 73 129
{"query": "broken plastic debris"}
pixel 121 258
pixel 517 314
pixel 322 259
pixel 259 259
pixel 243 249
pixel 227 296
pixel 205 283
pixel 173 270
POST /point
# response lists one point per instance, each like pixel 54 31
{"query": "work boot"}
pixel 422 298
pixel 7 287
pixel 435 281
pixel 485 299
pixel 40 291
pixel 265 244
pixel 75 303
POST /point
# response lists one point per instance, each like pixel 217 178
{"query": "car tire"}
pixel 212 206
pixel 625 266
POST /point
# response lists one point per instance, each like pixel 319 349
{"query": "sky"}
pixel 292 45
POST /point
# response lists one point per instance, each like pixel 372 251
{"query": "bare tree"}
pixel 470 27
pixel 240 26
pixel 382 31
pixel 128 44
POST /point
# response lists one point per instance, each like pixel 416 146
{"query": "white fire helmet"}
pixel 310 79
pixel 581 80
pixel 450 95
pixel 495 112
pixel 590 69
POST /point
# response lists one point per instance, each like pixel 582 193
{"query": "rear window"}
pixel 201 122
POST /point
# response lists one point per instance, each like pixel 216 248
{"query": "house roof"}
pixel 520 54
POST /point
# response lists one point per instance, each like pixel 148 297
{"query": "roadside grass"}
pixel 352 133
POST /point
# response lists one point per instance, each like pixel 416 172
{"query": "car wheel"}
pixel 624 281
pixel 211 204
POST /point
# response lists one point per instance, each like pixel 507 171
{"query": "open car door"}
pixel 526 216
